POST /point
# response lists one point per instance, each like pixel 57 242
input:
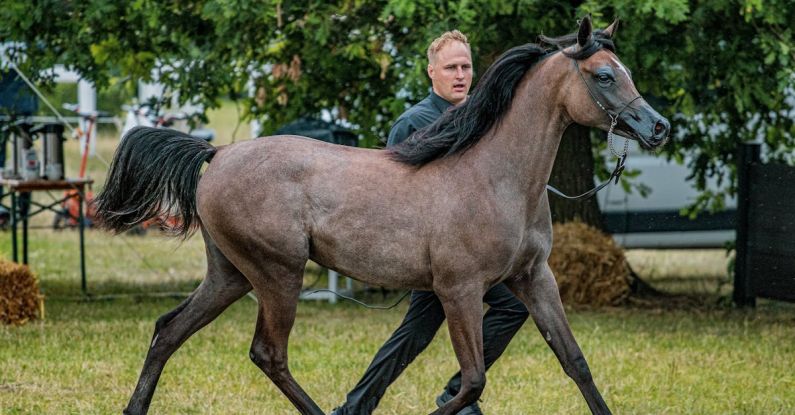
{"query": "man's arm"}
pixel 400 131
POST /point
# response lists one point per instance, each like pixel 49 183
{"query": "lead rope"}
pixel 344 297
pixel 374 307
pixel 616 174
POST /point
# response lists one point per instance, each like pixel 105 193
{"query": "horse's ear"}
pixel 584 34
pixel 611 30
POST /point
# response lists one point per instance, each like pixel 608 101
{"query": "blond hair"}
pixel 443 40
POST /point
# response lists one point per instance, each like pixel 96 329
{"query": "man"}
pixel 450 70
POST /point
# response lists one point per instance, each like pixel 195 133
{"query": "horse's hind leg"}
pixel 278 299
pixel 222 286
pixel 539 292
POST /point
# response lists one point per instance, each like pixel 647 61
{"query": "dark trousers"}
pixel 423 318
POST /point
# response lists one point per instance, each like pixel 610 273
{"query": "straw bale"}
pixel 588 266
pixel 20 298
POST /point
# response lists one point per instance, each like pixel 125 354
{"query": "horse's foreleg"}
pixel 278 300
pixel 465 323
pixel 223 285
pixel 539 292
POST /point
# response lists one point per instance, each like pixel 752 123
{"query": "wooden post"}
pixel 81 218
pixel 748 155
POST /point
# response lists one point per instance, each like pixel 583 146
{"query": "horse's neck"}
pixel 521 150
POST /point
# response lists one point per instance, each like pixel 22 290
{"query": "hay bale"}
pixel 20 298
pixel 588 265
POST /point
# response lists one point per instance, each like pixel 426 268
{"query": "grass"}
pixel 85 356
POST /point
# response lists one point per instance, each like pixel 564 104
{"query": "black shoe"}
pixel 472 409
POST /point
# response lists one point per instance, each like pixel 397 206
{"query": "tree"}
pixel 718 68
pixel 723 70
pixel 573 173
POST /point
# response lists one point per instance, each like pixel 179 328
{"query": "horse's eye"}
pixel 604 78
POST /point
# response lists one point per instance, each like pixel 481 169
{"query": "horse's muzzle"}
pixel 660 132
pixel 646 126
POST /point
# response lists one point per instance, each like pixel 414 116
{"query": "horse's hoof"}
pixel 472 409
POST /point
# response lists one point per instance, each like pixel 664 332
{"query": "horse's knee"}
pixel 268 360
pixel 579 371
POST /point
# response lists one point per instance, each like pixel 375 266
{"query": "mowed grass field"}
pixel 654 357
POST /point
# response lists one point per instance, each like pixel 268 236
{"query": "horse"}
pixel 457 208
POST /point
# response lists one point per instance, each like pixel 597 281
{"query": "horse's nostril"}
pixel 660 128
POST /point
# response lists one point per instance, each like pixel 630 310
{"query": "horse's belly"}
pixel 387 259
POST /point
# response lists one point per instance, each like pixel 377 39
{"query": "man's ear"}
pixel 430 71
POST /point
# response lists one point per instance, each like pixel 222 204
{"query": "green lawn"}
pixel 85 356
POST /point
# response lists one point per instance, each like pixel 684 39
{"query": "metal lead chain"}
pixel 610 136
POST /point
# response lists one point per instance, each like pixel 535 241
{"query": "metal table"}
pixel 17 186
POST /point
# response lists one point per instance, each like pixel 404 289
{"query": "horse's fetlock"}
pixel 474 385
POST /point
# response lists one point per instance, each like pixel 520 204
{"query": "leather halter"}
pixel 621 158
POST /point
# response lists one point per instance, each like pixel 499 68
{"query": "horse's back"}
pixel 269 174
pixel 345 207
pixel 286 163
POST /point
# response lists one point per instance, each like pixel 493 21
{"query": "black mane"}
pixel 462 126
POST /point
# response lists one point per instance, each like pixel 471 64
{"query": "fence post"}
pixel 748 154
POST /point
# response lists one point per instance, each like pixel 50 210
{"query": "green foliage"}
pixel 722 68
pixel 109 99
pixel 718 68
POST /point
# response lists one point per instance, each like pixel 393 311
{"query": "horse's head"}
pixel 602 93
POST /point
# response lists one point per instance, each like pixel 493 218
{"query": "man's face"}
pixel 451 72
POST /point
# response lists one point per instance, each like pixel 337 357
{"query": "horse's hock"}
pixel 588 265
pixel 20 298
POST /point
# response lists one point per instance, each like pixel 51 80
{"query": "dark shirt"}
pixel 420 115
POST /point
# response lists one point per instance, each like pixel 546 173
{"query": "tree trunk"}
pixel 573 174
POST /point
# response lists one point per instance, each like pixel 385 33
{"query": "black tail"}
pixel 155 173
